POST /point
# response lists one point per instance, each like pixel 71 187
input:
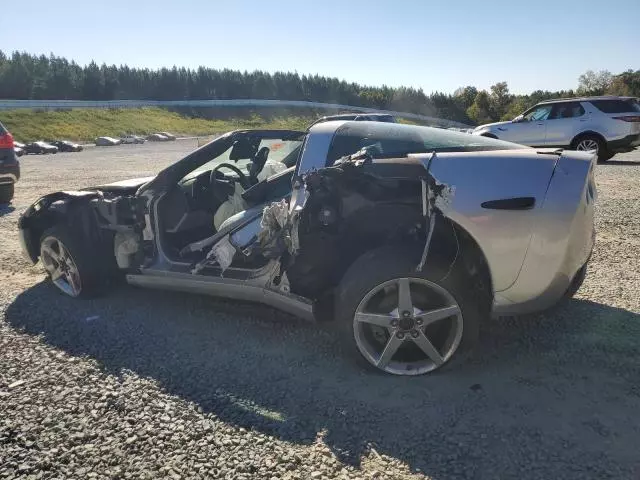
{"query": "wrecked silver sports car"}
pixel 405 237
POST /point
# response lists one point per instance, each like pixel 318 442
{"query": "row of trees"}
pixel 26 76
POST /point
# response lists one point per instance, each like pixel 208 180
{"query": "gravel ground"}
pixel 147 384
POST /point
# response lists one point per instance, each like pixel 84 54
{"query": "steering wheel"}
pixel 244 181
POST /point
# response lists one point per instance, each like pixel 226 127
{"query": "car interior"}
pixel 252 172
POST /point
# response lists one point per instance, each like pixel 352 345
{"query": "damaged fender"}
pixel 337 212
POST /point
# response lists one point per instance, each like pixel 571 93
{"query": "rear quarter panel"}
pixel 563 239
pixel 503 235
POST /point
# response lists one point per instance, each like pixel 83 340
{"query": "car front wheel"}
pixel 401 321
pixel 72 267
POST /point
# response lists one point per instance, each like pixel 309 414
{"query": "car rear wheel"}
pixel 404 322
pixel 6 192
pixel 588 143
pixel 577 282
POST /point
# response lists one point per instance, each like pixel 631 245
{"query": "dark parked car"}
pixel 40 147
pixel 9 165
pixel 67 146
pixel 107 141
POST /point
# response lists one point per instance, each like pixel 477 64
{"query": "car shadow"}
pixel 260 369
pixel 6 209
pixel 628 163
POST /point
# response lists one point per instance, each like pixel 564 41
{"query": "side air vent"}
pixel 518 203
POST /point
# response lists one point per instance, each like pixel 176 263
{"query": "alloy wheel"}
pixel 60 266
pixel 587 145
pixel 408 326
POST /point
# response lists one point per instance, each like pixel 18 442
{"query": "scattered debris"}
pixel 16 384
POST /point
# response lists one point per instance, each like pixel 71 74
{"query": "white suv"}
pixel 608 125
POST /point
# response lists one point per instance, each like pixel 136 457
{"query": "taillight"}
pixel 6 140
pixel 630 118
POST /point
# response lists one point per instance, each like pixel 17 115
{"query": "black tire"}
pixel 384 264
pixel 603 151
pixel 607 155
pixel 577 282
pixel 6 192
pixel 93 271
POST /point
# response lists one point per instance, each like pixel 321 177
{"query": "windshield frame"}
pixel 243 163
pixel 171 175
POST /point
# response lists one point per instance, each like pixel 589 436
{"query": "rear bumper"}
pixel 9 173
pixel 626 144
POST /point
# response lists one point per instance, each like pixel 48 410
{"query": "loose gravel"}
pixel 146 384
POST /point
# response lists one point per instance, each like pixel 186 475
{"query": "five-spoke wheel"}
pixel 407 326
pixel 60 266
pixel 407 322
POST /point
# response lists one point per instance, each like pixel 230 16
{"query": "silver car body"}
pixel 392 227
pixel 130 139
pixel 561 122
pixel 530 212
pixel 533 254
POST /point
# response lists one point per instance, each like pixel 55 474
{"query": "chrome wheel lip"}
pixel 60 266
pixel 587 145
pixel 368 351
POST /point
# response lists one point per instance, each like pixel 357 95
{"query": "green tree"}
pixel 516 107
pixel 480 111
pixel 499 99
pixel 594 83
pixel 93 82
pixel 465 96
pixel 627 84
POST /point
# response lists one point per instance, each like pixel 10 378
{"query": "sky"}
pixel 430 44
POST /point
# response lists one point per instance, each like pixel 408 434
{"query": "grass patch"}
pixel 87 124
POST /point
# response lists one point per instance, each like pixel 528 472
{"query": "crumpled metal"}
pixel 279 230
pixel 221 253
